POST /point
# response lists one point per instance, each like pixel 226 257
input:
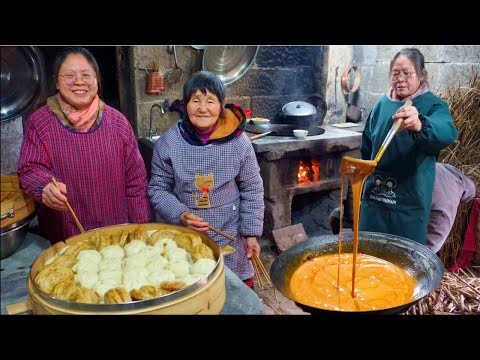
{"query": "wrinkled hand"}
pixel 54 198
pixel 198 224
pixel 411 121
pixel 252 246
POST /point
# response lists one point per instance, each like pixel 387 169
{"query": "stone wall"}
pixel 279 74
pixel 12 137
pixel 445 64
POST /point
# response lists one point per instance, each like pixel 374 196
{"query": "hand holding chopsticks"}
pixel 260 269
pixel 220 232
pixel 70 208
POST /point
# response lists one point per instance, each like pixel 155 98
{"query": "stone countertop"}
pixel 331 138
pixel 240 299
pixel 347 138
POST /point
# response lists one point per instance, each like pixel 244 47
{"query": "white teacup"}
pixel 300 134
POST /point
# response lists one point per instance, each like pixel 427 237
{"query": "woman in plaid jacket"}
pixel 204 166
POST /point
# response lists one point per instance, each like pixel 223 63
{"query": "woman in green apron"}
pixel 397 196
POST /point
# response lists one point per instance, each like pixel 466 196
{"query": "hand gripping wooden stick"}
pixel 70 208
pixel 215 230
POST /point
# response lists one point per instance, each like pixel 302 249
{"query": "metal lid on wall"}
pixel 21 80
pixel 230 63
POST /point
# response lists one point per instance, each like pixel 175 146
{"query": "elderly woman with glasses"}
pixel 205 172
pixel 89 148
pixel 397 196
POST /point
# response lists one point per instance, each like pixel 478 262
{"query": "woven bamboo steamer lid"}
pixel 208 298
pixel 22 204
pixel 345 80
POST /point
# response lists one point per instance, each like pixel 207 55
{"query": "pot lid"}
pixel 299 108
pixel 230 63
pixel 21 79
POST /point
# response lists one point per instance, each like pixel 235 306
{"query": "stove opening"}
pixel 312 210
pixel 308 171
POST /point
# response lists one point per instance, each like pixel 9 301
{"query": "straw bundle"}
pixel 464 105
pixel 456 294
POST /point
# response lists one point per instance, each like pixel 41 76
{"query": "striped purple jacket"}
pixel 103 171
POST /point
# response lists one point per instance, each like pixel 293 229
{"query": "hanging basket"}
pixel 155 83
pixel 156 79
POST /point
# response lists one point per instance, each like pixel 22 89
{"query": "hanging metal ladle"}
pixel 176 73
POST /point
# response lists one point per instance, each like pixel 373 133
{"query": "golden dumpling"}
pixel 162 234
pixel 202 252
pixel 75 249
pixel 64 261
pixel 65 289
pixel 117 296
pixel 139 234
pixel 187 241
pixel 84 295
pixel 100 240
pixel 144 293
pixel 172 285
pixel 123 238
pixel 50 276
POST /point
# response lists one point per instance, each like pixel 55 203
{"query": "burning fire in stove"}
pixel 308 172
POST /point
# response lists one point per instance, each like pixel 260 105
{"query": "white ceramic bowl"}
pixel 260 121
pixel 300 134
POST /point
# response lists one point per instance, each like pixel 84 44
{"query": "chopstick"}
pixel 258 265
pixel 220 232
pixel 258 136
pixel 69 208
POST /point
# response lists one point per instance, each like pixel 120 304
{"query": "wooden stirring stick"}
pixel 393 130
pixel 70 208
pixel 220 232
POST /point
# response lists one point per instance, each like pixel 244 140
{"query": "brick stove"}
pixel 291 166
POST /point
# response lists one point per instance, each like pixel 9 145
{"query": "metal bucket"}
pixel 14 236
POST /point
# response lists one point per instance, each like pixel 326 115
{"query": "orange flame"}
pixel 307 174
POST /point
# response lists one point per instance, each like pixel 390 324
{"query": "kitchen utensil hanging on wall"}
pixel 156 79
pixel 176 73
pixel 349 87
pixel 197 64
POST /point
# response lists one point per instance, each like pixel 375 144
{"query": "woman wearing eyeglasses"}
pixel 399 200
pixel 91 150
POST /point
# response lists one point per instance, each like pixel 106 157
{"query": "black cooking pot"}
pixel 417 260
pixel 302 114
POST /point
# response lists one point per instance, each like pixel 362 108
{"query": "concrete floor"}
pixel 274 302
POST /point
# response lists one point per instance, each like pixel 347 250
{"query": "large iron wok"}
pixel 417 260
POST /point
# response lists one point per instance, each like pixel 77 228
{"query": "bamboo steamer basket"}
pixel 17 209
pixel 206 296
pixel 22 204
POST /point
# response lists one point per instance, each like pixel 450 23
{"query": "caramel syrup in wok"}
pixel 331 282
pixel 379 283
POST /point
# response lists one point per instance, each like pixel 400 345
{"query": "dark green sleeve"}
pixel 438 130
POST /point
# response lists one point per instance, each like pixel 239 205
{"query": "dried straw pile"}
pixel 457 294
pixel 464 103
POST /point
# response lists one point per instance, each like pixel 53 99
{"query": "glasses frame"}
pixel 404 75
pixel 76 76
